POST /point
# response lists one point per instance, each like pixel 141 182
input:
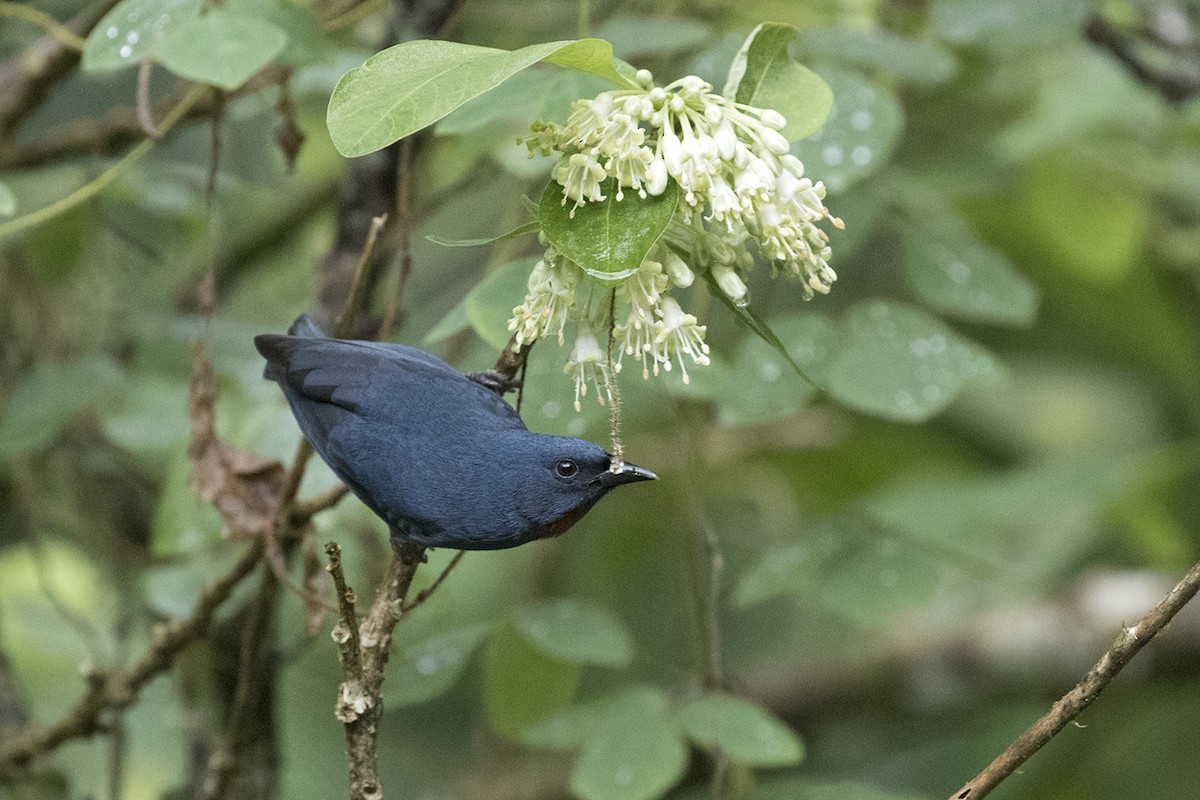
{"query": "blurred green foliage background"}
pixel 913 563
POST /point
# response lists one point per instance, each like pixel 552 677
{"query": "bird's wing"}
pixel 341 372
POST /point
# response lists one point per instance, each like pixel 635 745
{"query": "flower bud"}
pixel 729 282
pixel 681 275
pixel 774 141
pixel 672 151
pixel 773 119
pixel 656 177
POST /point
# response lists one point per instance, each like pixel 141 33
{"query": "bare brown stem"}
pixel 364 648
pixel 1127 645
pixel 145 113
pixel 120 689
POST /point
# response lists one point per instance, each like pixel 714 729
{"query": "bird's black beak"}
pixel 626 473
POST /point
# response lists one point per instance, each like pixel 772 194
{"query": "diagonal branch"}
pixel 120 689
pixel 1127 645
pixel 27 77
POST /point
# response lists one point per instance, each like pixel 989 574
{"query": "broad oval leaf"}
pixel 573 727
pixel 133 30
pixel 859 136
pixel 637 755
pixel 607 238
pixel 758 326
pixel 221 48
pixel 307 42
pixel 967 279
pixel 745 732
pixel 763 384
pixel 764 75
pixel 522 685
pixel 46 399
pixel 427 669
pixel 577 630
pixel 902 364
pixel 854 565
pixel 404 88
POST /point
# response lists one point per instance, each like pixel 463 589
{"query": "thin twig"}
pixel 345 321
pixel 144 111
pixel 255 635
pixel 1127 645
pixel 61 33
pixel 424 594
pixel 305 510
pixel 116 757
pixel 404 225
pixel 1173 84
pixel 102 181
pixel 27 77
pixel 120 689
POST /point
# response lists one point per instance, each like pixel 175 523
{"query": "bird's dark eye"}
pixel 566 468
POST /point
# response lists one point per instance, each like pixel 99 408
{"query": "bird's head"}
pixel 565 477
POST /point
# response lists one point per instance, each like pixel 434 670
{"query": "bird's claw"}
pixel 497 382
pixel 407 552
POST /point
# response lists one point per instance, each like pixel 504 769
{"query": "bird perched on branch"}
pixel 442 458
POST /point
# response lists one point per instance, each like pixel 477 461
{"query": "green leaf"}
pixel 520 230
pixel 859 136
pixel 403 89
pixel 1028 523
pixel 594 57
pixel 577 630
pixel 965 278
pixel 572 728
pixel 757 325
pixel 48 398
pixel 427 669
pixel 8 201
pixel 521 685
pixel 221 48
pixel 857 567
pixel 764 75
pixel 636 755
pixel 899 363
pixel 608 238
pixel 489 305
pixel 763 385
pixel 307 43
pixel 920 62
pixel 134 30
pixel 745 732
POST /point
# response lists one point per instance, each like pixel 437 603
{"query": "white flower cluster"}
pixel 738 185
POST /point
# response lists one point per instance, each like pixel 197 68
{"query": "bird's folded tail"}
pixel 275 348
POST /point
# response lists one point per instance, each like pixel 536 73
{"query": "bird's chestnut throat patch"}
pixel 564 523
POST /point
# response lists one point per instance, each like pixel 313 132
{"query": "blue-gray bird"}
pixel 443 459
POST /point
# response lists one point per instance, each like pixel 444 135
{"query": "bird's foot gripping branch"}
pixel 652 186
